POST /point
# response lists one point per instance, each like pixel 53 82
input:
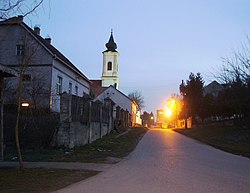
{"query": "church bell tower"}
pixel 110 64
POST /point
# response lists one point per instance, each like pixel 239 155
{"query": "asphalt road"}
pixel 165 161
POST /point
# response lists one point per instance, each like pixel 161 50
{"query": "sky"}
pixel 160 41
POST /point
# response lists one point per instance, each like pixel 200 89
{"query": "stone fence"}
pixel 82 121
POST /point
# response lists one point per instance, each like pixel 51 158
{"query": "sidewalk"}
pixel 60 165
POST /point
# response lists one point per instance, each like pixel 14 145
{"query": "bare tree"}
pixel 36 89
pixel 137 97
pixel 26 58
pixel 235 75
pixel 9 8
pixel 237 66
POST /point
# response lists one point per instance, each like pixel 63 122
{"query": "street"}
pixel 165 161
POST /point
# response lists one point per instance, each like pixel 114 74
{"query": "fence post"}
pixel 89 122
pixel 110 105
pixel 100 111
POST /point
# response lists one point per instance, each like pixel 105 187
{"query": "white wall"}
pixel 120 99
pixel 59 69
pixel 110 77
pixel 123 101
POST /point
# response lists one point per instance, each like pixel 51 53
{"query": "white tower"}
pixel 110 64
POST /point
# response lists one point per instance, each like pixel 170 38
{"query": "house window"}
pixel 26 78
pixel 76 90
pixel 59 85
pixel 70 88
pixel 19 50
pixel 109 65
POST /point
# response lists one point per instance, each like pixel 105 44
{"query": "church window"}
pixel 109 65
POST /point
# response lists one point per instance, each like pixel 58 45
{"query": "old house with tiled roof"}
pixel 46 71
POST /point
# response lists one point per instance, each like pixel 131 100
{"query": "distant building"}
pixel 121 101
pixel 46 71
pixel 213 89
pixel 160 117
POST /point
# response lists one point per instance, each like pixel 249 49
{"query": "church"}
pixel 110 74
pixel 108 86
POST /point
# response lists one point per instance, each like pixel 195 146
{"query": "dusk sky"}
pixel 160 42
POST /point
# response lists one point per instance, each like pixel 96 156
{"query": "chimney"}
pixel 37 30
pixel 20 18
pixel 48 39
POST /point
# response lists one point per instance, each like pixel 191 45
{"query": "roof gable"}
pixel 55 53
pixel 111 87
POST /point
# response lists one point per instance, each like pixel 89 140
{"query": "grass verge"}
pixel 227 138
pixel 111 145
pixel 46 180
pixel 39 180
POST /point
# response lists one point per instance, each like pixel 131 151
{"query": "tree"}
pixel 192 92
pixel 25 59
pixel 234 100
pixel 137 97
pixel 235 76
pixel 35 89
pixel 12 7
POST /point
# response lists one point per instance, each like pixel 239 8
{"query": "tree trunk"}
pixel 17 124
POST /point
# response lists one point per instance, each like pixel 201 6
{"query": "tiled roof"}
pixel 96 87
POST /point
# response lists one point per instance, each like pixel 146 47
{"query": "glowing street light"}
pixel 25 104
pixel 168 112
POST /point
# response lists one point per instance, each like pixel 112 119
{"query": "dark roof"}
pixel 111 45
pixel 53 51
pixel 213 88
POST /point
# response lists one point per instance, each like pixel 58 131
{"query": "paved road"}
pixel 165 161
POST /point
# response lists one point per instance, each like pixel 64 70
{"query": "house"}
pixel 45 71
pixel 122 101
pixel 4 73
pixel 213 89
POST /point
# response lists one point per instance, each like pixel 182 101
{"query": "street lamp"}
pixel 25 104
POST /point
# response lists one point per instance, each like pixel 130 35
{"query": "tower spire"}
pixel 110 75
pixel 111 45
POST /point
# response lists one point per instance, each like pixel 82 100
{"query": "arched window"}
pixel 109 65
